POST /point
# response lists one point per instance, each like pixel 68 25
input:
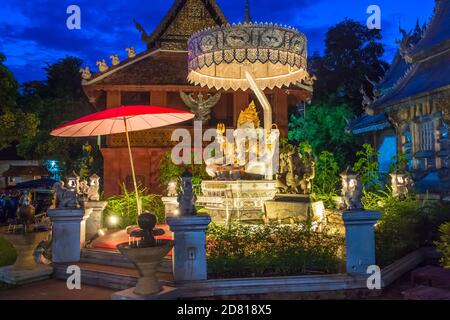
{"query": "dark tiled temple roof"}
pixel 367 123
pixel 168 65
pixel 21 171
pixel 210 5
pixel 422 78
pixel 397 69
pixel 419 67
pixel 157 68
pixel 437 36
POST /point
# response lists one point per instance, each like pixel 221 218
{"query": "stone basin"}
pixel 147 260
pixel 25 244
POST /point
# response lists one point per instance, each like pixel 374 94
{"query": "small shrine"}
pixel 159 76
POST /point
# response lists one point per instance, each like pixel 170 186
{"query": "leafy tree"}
pixel 8 87
pixel 57 100
pixel 15 124
pixel 352 53
pixel 324 128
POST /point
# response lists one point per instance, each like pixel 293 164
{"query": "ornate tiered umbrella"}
pixel 120 120
pixel 248 55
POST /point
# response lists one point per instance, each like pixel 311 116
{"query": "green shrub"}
pixel 443 245
pixel 326 181
pixel 7 253
pixel 264 250
pixel 367 167
pixel 405 225
pixel 125 208
pixel 168 171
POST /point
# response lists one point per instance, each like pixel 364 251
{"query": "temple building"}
pixel 410 111
pixel 158 76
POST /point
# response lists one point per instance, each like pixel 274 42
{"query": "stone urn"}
pixel 146 253
pixel 25 244
pixel 147 261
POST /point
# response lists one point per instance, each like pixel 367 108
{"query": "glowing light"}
pixel 113 220
pixel 176 212
pixel 101 232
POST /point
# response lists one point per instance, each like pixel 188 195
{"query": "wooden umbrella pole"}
pixel 138 203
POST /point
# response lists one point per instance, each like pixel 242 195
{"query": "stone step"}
pixel 426 293
pixel 432 276
pixel 106 257
pixel 107 276
pixel 115 258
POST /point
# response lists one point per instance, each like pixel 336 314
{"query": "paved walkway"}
pixel 54 289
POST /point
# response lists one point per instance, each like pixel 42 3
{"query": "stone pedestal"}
pixel 235 200
pixel 69 233
pixel 94 222
pixel 189 253
pixel 288 208
pixel 19 277
pixel 25 269
pixel 360 239
pixel 170 205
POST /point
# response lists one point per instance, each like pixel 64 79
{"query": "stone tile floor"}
pixel 53 289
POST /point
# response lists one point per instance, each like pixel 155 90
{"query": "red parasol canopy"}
pixel 122 119
pixel 112 121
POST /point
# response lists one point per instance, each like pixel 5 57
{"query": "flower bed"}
pixel 271 250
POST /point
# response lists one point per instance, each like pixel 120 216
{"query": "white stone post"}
pixel 95 220
pixel 189 252
pixel 360 239
pixel 68 235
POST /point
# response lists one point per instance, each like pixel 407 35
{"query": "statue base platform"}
pixel 231 200
pixel 13 276
pixel 293 208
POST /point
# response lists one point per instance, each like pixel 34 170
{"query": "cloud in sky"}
pixel 34 34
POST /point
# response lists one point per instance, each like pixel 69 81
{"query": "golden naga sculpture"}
pixel 131 52
pixel 114 59
pixel 102 66
pixel 85 73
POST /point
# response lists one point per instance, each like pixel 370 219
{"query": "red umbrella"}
pixel 122 119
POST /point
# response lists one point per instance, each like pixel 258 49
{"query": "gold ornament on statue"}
pixel 131 52
pixel 85 73
pixel 249 115
pixel 102 66
pixel 114 59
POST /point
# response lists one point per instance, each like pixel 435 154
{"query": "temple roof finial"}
pixel 247 17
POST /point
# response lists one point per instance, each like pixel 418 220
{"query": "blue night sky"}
pixel 34 34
